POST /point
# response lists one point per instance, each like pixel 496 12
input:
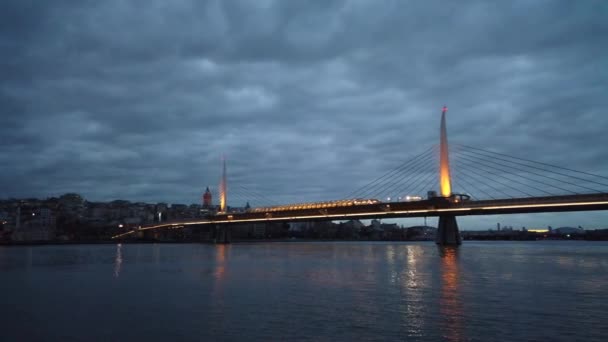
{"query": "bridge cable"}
pixel 247 197
pixel 390 173
pixel 420 186
pixel 424 177
pixel 397 169
pixel 516 175
pixel 429 181
pixel 461 189
pixel 456 184
pixel 534 173
pixel 410 188
pixel 236 196
pixel 378 188
pixel 478 179
pixel 495 180
pixel 543 176
pixel 256 195
pixel 541 163
pixel 407 178
pixel 482 181
pixel 506 170
pixel 457 173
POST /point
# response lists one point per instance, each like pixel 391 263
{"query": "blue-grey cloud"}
pixel 308 100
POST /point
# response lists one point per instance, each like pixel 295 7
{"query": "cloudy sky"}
pixel 308 100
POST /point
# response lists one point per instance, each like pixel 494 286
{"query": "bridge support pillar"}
pixel 447 231
pixel 222 235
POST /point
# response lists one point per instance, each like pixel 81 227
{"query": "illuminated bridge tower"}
pixel 447 229
pixel 222 232
pixel 223 188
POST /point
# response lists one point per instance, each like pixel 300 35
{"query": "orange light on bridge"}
pixel 446 186
pixel 444 162
pixel 223 188
pixel 479 210
pixel 538 230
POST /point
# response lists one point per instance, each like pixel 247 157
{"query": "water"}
pixel 487 291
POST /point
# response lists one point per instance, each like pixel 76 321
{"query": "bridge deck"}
pixel 432 207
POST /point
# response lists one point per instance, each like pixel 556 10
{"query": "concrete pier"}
pixel 447 231
pixel 222 234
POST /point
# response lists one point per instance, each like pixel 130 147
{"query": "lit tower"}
pixel 207 199
pixel 223 189
pixel 444 161
pixel 447 228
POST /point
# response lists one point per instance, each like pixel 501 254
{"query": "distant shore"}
pixel 114 242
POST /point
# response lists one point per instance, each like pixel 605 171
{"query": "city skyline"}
pixel 304 99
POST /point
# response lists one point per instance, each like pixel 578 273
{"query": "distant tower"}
pixel 207 199
pixel 223 188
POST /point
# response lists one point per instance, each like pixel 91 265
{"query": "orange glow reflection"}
pixel 220 261
pixel 444 162
pixel 451 308
pixel 219 275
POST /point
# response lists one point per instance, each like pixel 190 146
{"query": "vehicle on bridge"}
pixel 457 198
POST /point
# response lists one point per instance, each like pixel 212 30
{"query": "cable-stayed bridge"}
pixel 470 180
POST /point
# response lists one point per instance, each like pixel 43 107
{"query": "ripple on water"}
pixel 306 291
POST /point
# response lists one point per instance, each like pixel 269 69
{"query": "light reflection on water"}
pixel 451 307
pixel 306 291
pixel 412 283
pixel 220 261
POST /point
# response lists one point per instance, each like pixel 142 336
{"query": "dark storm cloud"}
pixel 307 99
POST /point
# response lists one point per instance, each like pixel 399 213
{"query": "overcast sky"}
pixel 308 100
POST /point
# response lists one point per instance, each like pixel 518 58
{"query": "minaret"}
pixel 447 228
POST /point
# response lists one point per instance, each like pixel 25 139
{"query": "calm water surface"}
pixel 529 291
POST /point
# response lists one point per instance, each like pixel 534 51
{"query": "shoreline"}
pixel 114 242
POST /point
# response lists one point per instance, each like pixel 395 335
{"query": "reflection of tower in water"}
pixel 220 261
pixel 450 303
pixel 218 286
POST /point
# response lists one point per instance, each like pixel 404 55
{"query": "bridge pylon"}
pixel 221 234
pixel 447 227
pixel 223 188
